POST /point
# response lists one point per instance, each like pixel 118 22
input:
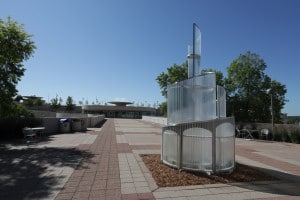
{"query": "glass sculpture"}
pixel 198 136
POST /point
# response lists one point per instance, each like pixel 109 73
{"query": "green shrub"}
pixel 285 135
pixel 11 127
pixel 295 136
pixel 276 135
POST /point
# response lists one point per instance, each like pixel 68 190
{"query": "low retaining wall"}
pixel 42 113
pixel 71 115
pixel 158 120
pixel 259 126
pixel 52 124
pixel 94 120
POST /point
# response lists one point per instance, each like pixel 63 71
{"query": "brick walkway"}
pixel 106 164
pixel 100 177
pixel 97 177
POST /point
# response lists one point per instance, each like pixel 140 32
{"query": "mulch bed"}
pixel 166 176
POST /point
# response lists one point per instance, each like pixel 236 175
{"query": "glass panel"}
pixel 221 102
pixel 196 49
pixel 190 58
pixel 192 100
pixel 197 149
pixel 225 146
pixel 170 147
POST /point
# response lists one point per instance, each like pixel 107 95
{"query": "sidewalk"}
pixel 105 164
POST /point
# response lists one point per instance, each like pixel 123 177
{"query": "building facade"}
pixel 119 109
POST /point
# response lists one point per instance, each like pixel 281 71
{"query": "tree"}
pixel 16 47
pixel 33 101
pixel 175 73
pixel 246 87
pixel 56 103
pixel 70 105
pixel 163 109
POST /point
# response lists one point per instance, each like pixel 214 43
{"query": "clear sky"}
pixel 114 50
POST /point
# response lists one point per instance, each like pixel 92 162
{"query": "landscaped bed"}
pixel 165 176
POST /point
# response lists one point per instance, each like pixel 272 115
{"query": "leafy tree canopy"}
pixel 56 103
pixel 174 74
pixel 246 87
pixel 16 47
pixel 163 109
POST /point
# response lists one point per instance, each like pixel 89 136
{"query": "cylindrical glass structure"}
pixel 192 100
pixel 206 146
pixel 198 136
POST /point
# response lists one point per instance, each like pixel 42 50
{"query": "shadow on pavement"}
pixel 33 173
pixel 100 124
pixel 288 184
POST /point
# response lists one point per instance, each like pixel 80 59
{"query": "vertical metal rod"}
pixel 179 150
pixel 213 148
pixel 272 113
pixel 194 37
pixel 162 146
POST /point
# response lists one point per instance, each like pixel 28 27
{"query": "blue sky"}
pixel 108 49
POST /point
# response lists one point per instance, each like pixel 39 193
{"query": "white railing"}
pixel 206 146
pixel 157 120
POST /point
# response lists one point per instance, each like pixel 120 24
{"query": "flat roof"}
pixel 120 103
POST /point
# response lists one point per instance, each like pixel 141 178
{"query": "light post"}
pixel 269 91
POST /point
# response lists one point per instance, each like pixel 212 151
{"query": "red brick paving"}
pixel 145 146
pixel 124 148
pixel 251 154
pixel 99 177
pixel 142 196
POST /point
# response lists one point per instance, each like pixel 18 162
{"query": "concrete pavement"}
pixel 105 164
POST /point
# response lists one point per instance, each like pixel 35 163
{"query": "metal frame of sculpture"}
pixel 199 136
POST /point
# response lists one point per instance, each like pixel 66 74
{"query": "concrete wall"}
pixel 42 113
pixel 158 120
pixel 52 124
pixel 93 120
pixel 71 115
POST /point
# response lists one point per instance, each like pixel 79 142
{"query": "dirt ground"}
pixel 166 176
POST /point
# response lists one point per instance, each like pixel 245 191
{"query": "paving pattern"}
pixel 40 169
pixel 106 164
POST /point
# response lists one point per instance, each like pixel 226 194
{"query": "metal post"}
pixel 270 92
pixel 179 150
pixel 272 112
pixel 214 152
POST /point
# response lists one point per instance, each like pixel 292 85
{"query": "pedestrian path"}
pixel 112 173
pixel 106 164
